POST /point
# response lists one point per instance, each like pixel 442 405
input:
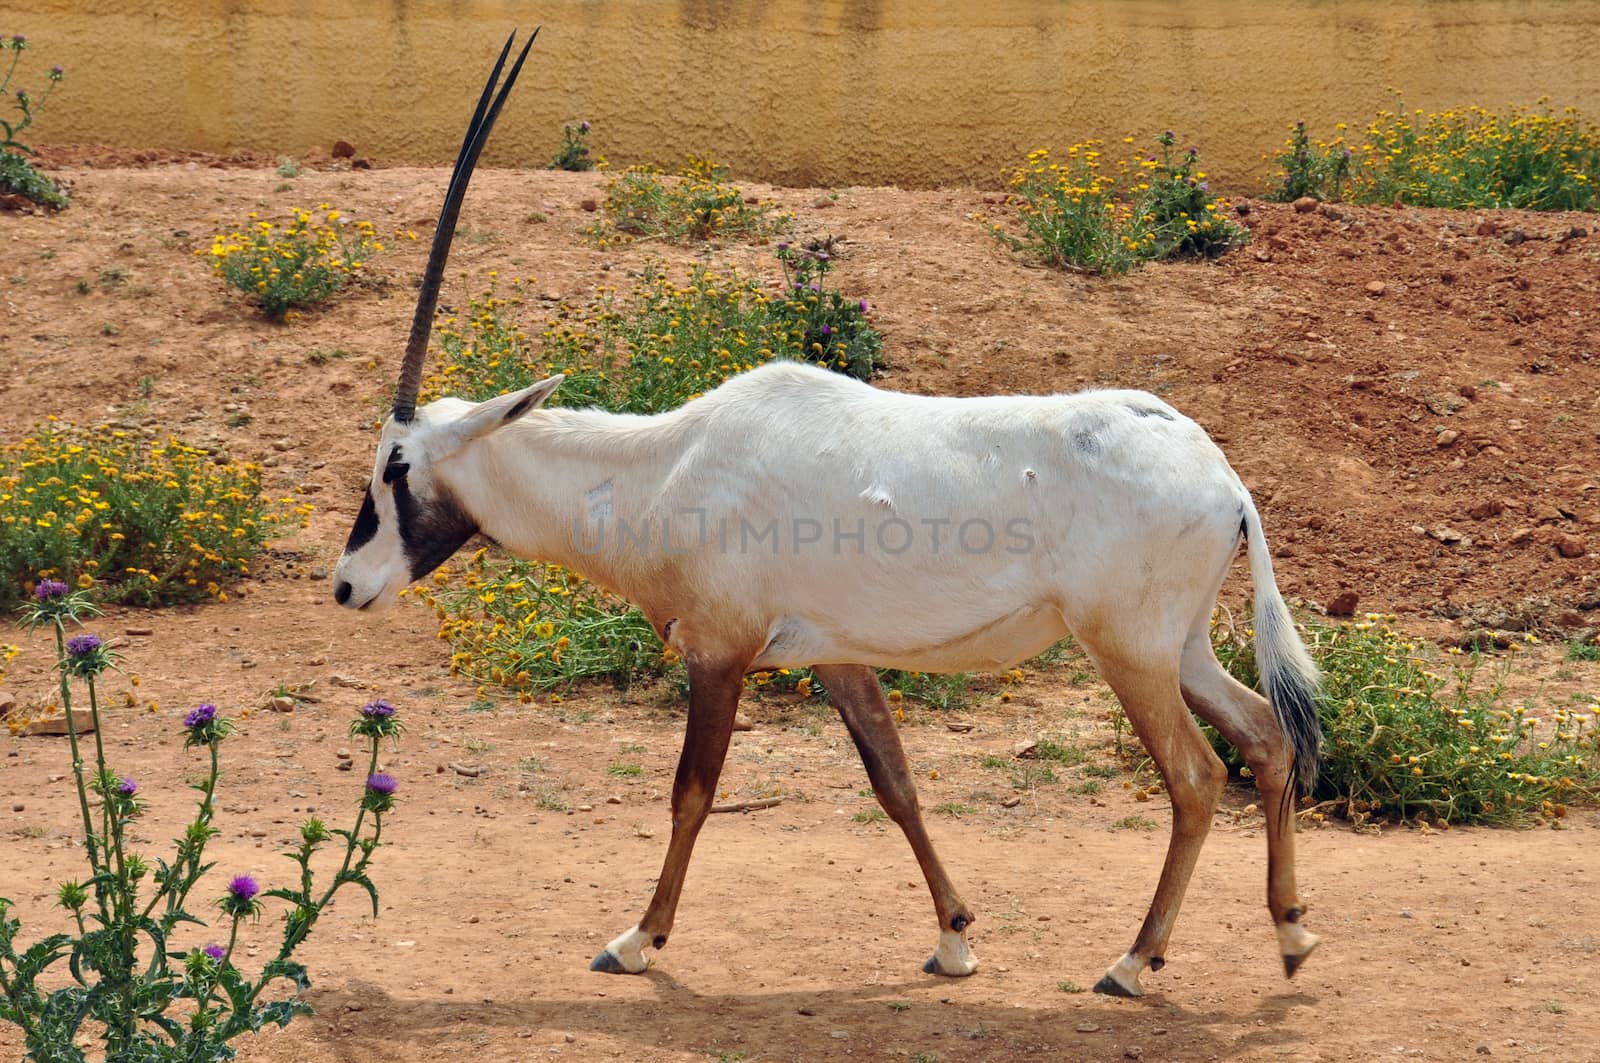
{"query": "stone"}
pixel 1376 287
pixel 1447 437
pixel 1489 507
pixel 590 205
pixel 82 720
pixel 1343 604
pixel 1570 546
pixel 343 149
pixel 1305 205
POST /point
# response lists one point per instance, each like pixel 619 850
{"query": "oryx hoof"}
pixel 953 958
pixel 1110 987
pixel 625 955
pixel 1122 978
pixel 1296 943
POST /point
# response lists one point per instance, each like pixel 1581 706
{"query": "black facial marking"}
pixel 1292 915
pixel 958 924
pixel 431 530
pixel 395 468
pixel 659 941
pixel 366 525
pixel 1149 411
pixel 1157 962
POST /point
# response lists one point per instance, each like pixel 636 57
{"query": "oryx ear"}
pixel 504 409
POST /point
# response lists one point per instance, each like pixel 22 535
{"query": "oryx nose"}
pixel 341 591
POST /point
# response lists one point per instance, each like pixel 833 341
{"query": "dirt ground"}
pixel 1411 395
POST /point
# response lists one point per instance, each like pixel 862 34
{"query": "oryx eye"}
pixel 394 471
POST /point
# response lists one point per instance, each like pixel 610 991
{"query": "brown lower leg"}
pixel 713 698
pixel 859 698
pixel 1194 778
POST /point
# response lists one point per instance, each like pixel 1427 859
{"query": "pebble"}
pixel 342 754
pixel 613 800
pixel 1570 546
pixel 138 631
pixel 19 807
pixel 585 808
pixel 1305 205
pixel 1445 438
pixel 1343 604
pixel 1376 287
pixel 1087 1027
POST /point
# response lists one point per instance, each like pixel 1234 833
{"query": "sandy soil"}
pixel 1332 359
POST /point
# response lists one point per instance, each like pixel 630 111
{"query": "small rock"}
pixel 319 573
pixel 1570 546
pixel 1376 287
pixel 346 681
pixel 344 765
pixel 1343 604
pixel 280 704
pixel 613 800
pixel 822 201
pixel 1132 1052
pixel 1488 227
pixel 360 164
pixel 1521 535
pixel 342 753
pixel 1242 209
pixel 959 726
pixel 1445 534
pixel 1011 802
pixel 570 1038
pixel 1277 243
pixel 839 1035
pixel 138 631
pixel 19 807
pixel 258 833
pixel 741 722
pixel 1026 750
pixel 1305 205
pixel 1087 1027
pixel 1447 437
pixel 1405 913
pixel 343 149
pixel 585 808
pixel 470 771
pixel 1490 507
pixel 589 205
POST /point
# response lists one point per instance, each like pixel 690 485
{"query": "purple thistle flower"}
pixel 377 710
pixel 863 305
pixel 49 590
pixel 18 41
pixel 583 126
pixel 243 889
pixel 127 787
pixel 783 246
pixel 827 330
pixel 216 952
pixel 56 70
pixel 200 716
pixel 83 645
pixel 22 95
pixel 816 287
pixel 382 784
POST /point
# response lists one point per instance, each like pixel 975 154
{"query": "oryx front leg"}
pixel 1194 778
pixel 859 698
pixel 713 698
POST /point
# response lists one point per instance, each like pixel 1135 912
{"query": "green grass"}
pixel 696 205
pixel 625 770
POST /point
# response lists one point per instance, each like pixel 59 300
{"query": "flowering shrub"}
pixel 574 153
pixel 128 980
pixel 697 204
pixel 662 345
pixel 148 523
pixel 295 265
pixel 1401 739
pixel 17 175
pixel 1466 158
pixel 1086 212
pixel 533 628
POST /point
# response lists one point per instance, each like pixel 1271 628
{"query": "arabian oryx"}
pixel 795 517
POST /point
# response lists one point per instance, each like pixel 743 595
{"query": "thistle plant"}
pixel 574 154
pixel 17 175
pixel 126 979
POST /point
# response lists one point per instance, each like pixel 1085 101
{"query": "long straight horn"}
pixel 405 393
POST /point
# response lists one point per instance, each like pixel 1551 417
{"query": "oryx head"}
pixel 410 522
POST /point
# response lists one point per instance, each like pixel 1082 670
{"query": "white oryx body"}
pixel 795 517
pixel 833 522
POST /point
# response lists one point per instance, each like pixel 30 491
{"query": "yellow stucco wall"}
pixel 830 92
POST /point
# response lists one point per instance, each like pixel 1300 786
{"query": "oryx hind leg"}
pixel 1247 721
pixel 713 698
pixel 1194 778
pixel 858 696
